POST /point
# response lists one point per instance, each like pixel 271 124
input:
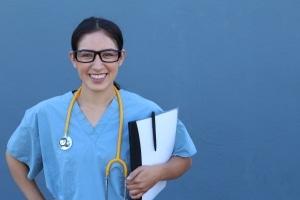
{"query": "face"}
pixel 97 76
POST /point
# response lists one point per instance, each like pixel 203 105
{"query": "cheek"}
pixel 115 69
pixel 81 70
pixel 82 67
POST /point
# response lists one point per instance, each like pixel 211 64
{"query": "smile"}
pixel 97 76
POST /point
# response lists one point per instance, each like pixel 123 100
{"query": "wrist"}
pixel 162 172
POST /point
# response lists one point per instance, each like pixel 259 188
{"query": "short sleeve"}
pixel 24 144
pixel 184 146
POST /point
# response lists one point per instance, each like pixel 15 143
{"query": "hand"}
pixel 141 180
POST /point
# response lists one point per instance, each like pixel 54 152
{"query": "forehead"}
pixel 96 41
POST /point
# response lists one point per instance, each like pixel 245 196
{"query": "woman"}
pixel 76 170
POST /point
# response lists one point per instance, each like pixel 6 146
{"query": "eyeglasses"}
pixel 106 55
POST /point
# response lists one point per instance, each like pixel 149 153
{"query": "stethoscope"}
pixel 65 142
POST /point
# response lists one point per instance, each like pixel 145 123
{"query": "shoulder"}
pixel 137 106
pixel 52 104
pixel 130 98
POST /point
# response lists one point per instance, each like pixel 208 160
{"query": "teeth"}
pixel 97 76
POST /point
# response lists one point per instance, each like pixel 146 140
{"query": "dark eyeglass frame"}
pixel 97 53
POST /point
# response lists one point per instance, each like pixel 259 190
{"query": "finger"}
pixel 133 174
pixel 137 196
pixel 130 185
pixel 135 192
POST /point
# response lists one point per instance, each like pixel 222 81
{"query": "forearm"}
pixel 19 172
pixel 174 168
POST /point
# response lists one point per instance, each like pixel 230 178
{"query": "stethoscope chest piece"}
pixel 65 143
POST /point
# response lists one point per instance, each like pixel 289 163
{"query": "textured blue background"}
pixel 232 67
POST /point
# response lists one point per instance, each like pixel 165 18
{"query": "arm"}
pixel 145 177
pixel 19 172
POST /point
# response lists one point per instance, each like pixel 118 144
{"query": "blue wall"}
pixel 232 67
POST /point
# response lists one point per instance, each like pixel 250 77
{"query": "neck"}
pixel 96 98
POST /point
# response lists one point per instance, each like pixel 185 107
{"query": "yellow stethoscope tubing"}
pixel 117 158
pixel 120 134
pixel 70 110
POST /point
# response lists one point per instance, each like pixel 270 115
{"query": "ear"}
pixel 72 58
pixel 122 57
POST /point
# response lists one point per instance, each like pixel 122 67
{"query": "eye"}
pixel 86 54
pixel 108 54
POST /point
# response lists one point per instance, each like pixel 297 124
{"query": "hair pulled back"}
pixel 93 24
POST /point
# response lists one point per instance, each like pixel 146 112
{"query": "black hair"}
pixel 93 24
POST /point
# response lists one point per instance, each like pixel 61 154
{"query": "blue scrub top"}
pixel 79 173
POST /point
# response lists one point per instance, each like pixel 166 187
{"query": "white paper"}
pixel 165 139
